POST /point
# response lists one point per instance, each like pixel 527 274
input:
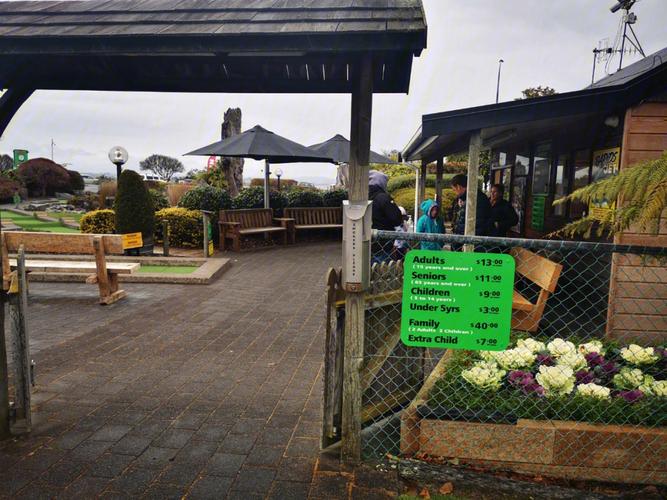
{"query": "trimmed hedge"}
pixel 185 226
pixel 253 197
pixel 98 222
pixel 160 200
pixel 304 198
pixel 205 197
pixel 134 206
pixel 405 181
pixel 334 197
pixel 406 198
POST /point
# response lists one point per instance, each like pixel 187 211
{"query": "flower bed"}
pixel 590 410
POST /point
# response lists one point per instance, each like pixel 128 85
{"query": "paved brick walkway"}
pixel 196 391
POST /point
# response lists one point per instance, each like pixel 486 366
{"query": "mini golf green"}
pixel 168 269
pixel 29 223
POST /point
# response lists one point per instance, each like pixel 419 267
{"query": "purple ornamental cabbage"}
pixel 631 396
pixel 584 377
pixel 595 359
pixel 609 368
pixel 545 359
pixel 525 381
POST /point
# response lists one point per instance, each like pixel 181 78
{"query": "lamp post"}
pixel 500 65
pixel 279 174
pixel 118 156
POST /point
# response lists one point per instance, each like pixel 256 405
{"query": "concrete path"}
pixel 197 391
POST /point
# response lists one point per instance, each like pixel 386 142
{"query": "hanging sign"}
pixel 132 240
pixel 457 300
pixel 606 163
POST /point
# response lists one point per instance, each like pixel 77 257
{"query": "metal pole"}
pixel 267 173
pixel 500 65
pixel 165 238
pixel 472 188
pixel 205 222
pixel 440 168
pixel 595 57
pixel 625 29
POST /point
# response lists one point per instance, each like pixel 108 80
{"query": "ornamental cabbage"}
pixel 484 378
pixel 574 360
pixel 559 347
pixel 591 347
pixel 513 359
pixel 532 345
pixel 659 388
pixel 638 355
pixel 628 378
pixel 593 391
pixel 556 380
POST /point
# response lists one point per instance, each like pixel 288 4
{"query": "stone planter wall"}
pixel 555 448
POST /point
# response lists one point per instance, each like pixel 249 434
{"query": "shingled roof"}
pixel 208 45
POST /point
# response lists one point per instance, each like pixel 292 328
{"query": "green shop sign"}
pixel 20 156
pixel 457 300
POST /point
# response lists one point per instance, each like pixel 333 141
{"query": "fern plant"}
pixel 641 191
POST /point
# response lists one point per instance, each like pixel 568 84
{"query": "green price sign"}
pixel 457 300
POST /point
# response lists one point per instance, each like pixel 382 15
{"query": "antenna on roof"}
pixel 629 18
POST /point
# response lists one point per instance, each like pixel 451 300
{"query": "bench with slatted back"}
pixel 236 224
pixel 544 273
pixel 315 218
pixel 104 274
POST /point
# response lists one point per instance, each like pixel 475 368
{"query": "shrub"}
pixel 406 198
pixel 304 198
pixel 133 206
pixel 160 200
pixel 176 191
pixel 273 183
pixel 185 226
pixel 43 177
pixel 156 185
pixel 76 183
pixel 205 197
pixel 253 197
pixel 334 197
pixel 107 190
pixel 85 201
pixel 98 222
pixel 8 188
pixel 394 170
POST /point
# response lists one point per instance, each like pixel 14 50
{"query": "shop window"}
pixel 542 169
pixel 561 185
pixel 581 178
pixel 519 184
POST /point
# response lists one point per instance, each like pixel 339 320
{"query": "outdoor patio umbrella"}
pixel 261 144
pixel 338 148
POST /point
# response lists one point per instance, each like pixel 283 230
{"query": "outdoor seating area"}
pixel 235 224
pixel 314 218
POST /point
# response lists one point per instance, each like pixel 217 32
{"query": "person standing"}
pixel 483 222
pixel 430 223
pixel 503 215
pixel 386 214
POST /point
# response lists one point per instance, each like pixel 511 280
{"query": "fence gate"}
pixel 581 391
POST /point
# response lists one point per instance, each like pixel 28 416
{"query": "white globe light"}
pixel 118 155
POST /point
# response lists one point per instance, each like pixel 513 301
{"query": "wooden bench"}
pixel 544 273
pixel 104 274
pixel 315 218
pixel 235 224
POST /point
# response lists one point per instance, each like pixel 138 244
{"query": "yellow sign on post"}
pixel 605 164
pixel 210 248
pixel 132 240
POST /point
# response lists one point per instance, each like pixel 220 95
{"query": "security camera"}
pixel 622 4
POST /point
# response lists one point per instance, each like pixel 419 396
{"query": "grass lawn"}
pixel 65 215
pixel 168 269
pixel 29 223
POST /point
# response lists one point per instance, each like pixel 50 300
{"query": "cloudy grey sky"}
pixel 543 42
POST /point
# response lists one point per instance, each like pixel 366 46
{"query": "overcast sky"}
pixel 543 42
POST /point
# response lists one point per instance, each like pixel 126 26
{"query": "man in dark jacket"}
pixel 386 214
pixel 483 223
pixel 503 215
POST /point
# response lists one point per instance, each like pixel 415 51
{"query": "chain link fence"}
pixel 580 392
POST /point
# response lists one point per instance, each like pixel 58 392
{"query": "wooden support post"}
pixel 440 168
pixel 4 378
pixel 422 182
pixel 471 192
pixel 360 139
pixel 165 238
pixel 417 191
pixel 18 306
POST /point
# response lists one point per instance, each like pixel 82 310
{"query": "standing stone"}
pixel 232 167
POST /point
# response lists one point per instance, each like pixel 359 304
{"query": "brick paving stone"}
pixel 211 432
pixel 360 493
pixel 182 474
pixel 225 464
pixel 287 490
pixel 133 481
pixel 303 447
pixel 332 485
pixel 196 452
pixel 86 487
pixel 111 433
pixel 90 450
pixel 71 439
pixel 110 465
pixel 131 445
pixel 160 491
pixel 296 469
pixel 38 491
pixel 63 473
pixel 155 458
pixel 237 443
pixel 173 438
pixel 210 488
pixel 254 479
pixel 265 455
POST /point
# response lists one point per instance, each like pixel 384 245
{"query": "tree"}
pixel 163 166
pixel 641 191
pixel 232 168
pixel 43 177
pixel 6 162
pixel 532 92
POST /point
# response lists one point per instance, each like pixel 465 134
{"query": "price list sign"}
pixel 457 300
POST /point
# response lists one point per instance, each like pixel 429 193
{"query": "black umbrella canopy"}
pixel 338 148
pixel 261 144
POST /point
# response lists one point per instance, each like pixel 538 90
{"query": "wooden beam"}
pixel 18 308
pixel 471 192
pixel 440 168
pixel 360 140
pixel 10 102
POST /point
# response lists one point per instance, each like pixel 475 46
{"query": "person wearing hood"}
pixel 386 214
pixel 431 223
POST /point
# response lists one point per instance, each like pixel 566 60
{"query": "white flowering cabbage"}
pixel 659 388
pixel 638 355
pixel 628 378
pixel 559 347
pixel 556 380
pixel 532 345
pixel 484 378
pixel 593 391
pixel 574 360
pixel 590 347
pixel 514 359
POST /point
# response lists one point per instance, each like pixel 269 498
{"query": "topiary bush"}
pixel 43 177
pixel 334 197
pixel 185 226
pixel 8 188
pixel 205 197
pixel 98 222
pixel 304 198
pixel 134 206
pixel 160 200
pixel 253 197
pixel 76 182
